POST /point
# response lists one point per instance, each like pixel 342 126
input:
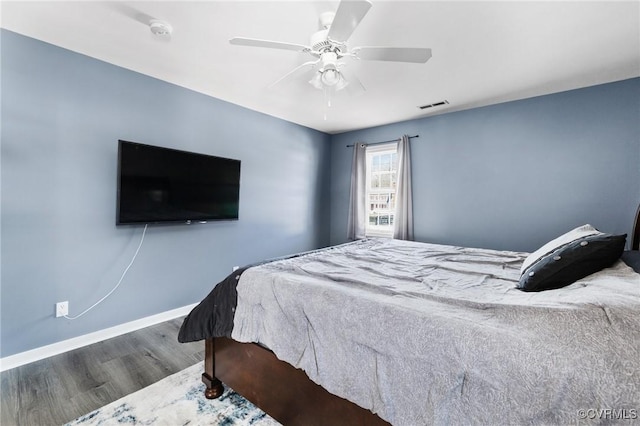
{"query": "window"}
pixel 382 169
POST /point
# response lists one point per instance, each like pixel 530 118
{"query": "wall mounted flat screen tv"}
pixel 158 185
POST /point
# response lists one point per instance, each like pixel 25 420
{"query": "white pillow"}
pixel 574 234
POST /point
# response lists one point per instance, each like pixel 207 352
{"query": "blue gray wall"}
pixel 514 175
pixel 62 115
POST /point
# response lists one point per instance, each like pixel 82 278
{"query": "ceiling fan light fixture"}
pixel 342 83
pixel 316 81
pixel 331 77
pixel 328 78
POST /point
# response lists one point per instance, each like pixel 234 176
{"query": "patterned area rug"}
pixel 178 400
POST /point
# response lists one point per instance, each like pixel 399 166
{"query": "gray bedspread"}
pixel 430 334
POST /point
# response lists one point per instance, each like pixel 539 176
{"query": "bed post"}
pixel 214 386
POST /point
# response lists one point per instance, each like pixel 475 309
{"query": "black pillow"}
pixel 632 258
pixel 573 261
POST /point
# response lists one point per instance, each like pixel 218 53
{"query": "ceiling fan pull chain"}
pixel 326 92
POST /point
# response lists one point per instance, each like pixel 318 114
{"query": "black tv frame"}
pixel 170 221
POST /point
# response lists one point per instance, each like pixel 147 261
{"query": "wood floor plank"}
pixel 56 390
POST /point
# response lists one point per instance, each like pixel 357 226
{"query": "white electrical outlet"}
pixel 62 309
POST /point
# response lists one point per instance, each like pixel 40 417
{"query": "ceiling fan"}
pixel 328 46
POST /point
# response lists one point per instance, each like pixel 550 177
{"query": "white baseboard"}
pixel 37 354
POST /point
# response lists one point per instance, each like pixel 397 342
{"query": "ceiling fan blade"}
pixel 294 73
pixel 347 18
pixel 243 41
pixel 395 54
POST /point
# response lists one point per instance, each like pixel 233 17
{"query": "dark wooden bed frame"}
pixel 279 389
pixel 283 391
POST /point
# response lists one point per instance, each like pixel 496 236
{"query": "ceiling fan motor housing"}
pixel 319 41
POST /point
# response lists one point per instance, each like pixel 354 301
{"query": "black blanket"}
pixel 213 317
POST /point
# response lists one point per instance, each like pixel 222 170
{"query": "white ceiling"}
pixel 483 52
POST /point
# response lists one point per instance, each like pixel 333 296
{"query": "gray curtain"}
pixel 403 219
pixel 357 202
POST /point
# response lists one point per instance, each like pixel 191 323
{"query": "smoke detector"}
pixel 160 28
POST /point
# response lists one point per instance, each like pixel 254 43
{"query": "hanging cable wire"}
pixel 117 285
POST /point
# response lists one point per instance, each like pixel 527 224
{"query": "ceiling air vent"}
pixel 437 104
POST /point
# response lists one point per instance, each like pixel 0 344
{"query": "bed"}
pixel 383 331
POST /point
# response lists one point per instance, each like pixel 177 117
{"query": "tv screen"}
pixel 157 185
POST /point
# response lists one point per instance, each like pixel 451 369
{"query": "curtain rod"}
pixel 376 143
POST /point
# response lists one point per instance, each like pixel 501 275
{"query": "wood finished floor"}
pixel 59 389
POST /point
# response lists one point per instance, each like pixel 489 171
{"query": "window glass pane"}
pixel 381 179
pixel 385 162
pixel 385 180
pixel 376 163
